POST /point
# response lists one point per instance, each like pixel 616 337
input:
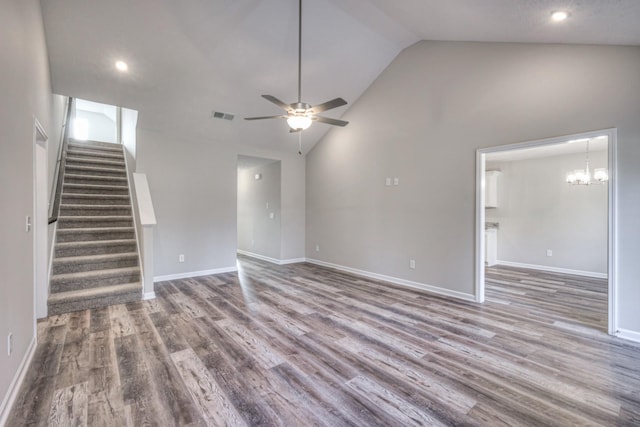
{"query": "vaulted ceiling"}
pixel 189 58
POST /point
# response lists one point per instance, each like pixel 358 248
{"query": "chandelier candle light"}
pixel 583 176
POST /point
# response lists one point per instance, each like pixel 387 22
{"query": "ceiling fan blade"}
pixel 265 117
pixel 334 103
pixel 277 102
pixel 329 121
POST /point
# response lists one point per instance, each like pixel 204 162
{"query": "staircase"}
pixel 95 260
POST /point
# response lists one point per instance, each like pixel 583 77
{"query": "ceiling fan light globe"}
pixel 299 122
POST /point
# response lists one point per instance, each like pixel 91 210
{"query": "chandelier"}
pixel 583 176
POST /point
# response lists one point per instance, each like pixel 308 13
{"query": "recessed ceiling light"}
pixel 122 66
pixel 559 15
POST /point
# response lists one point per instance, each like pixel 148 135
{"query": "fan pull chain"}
pixel 300 143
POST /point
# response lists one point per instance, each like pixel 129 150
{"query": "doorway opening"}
pixel 546 221
pixel 259 208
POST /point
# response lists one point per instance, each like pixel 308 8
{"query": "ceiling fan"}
pixel 299 114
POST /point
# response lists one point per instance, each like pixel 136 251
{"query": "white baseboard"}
pixel 271 260
pixel 194 274
pixel 148 295
pixel 553 269
pixel 422 286
pixel 628 335
pixel 14 387
pixel 292 261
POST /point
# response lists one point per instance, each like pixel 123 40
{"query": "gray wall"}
pixel 424 118
pixel 26 92
pixel 257 232
pixel 538 210
pixel 193 186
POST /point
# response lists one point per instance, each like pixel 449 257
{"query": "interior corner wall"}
pixel 26 93
pixel 259 210
pixel 292 200
pixel 422 121
pixel 193 186
pixel 538 210
pixel 128 128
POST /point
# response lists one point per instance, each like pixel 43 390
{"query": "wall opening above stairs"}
pixel 95 122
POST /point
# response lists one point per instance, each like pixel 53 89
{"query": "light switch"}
pixel 272 215
pixel 387 182
pixel 396 181
pixel 27 224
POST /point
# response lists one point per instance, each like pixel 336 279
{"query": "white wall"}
pixel 26 92
pixel 193 187
pixel 423 120
pixel 258 232
pixel 101 127
pixel 538 210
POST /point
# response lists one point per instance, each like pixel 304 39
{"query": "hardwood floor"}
pixel 302 345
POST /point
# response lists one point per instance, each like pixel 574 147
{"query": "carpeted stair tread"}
pixel 94 189
pixel 85 263
pixel 95 199
pixel 93 234
pixel 103 290
pixel 99 145
pixel 93 161
pixel 106 180
pixel 92 279
pixel 95 170
pixel 94 247
pixel 103 154
pixel 102 211
pixel 65 302
pixel 104 221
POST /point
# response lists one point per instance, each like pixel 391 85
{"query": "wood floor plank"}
pixel 69 406
pixel 304 345
pixel 205 392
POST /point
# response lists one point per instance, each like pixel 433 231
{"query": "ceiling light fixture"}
pixel 299 121
pixel 122 66
pixel 583 176
pixel 559 15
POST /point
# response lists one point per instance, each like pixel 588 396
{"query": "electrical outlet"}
pixel 317 248
pixel 9 344
pixel 253 243
pixel 181 258
pixel 27 224
pixel 412 264
pixel 549 252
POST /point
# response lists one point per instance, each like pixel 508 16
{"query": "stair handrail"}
pixel 56 191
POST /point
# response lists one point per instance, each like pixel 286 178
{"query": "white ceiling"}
pixel 189 58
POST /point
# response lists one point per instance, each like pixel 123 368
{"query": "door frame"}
pixel 612 230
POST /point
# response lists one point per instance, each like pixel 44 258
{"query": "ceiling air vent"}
pixel 223 116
